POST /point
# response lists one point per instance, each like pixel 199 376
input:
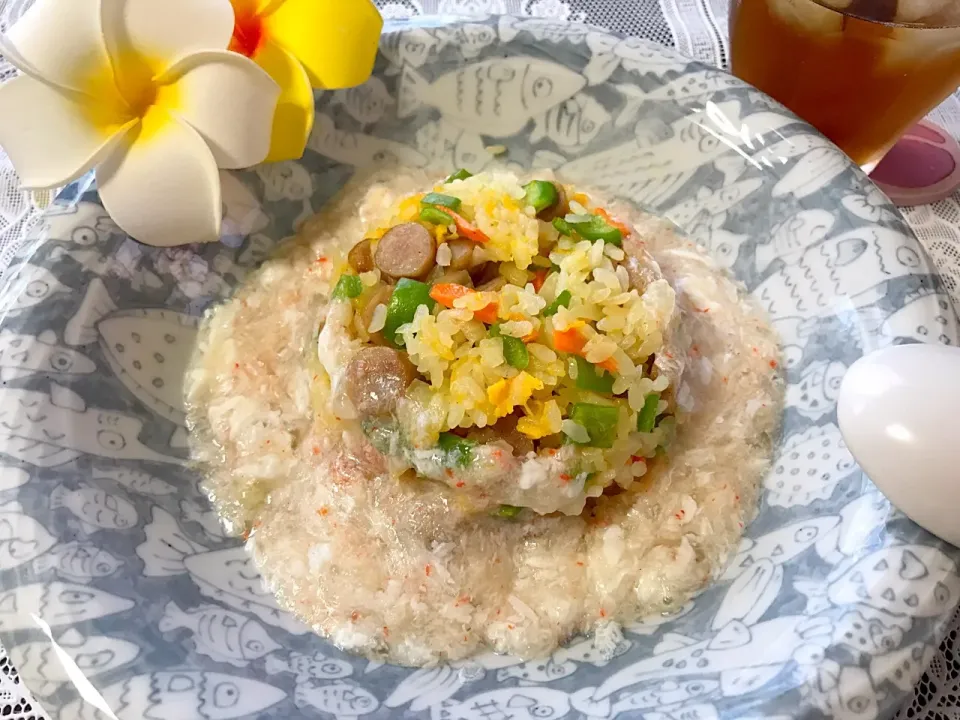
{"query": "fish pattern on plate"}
pixel 113 565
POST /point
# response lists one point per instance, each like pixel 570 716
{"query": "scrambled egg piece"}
pixel 545 419
pixel 505 395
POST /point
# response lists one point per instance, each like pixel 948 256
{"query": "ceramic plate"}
pixel 831 606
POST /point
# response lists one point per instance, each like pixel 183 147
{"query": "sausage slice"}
pixel 360 257
pixel 376 379
pixel 406 250
pixel 461 254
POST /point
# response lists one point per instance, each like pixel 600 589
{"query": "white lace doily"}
pixel 698 28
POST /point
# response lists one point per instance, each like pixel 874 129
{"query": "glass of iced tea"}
pixel 860 71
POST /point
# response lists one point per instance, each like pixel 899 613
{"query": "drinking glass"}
pixel 860 71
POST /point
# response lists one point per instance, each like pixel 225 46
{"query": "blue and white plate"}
pixel 108 548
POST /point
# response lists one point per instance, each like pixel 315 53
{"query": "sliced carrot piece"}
pixel 610 365
pixel 613 222
pixel 531 337
pixel 446 293
pixel 467 229
pixel 568 341
pixel 487 314
pixel 539 278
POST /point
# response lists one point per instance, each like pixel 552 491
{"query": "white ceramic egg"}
pixel 899 412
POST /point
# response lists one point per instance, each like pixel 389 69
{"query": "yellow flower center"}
pixel 248 31
pixel 130 94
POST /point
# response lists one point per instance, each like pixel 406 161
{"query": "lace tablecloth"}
pixel 698 28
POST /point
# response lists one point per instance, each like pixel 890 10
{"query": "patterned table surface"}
pixel 698 28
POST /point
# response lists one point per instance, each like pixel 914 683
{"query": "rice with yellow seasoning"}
pixel 525 413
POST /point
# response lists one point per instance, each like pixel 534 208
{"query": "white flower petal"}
pixel 51 138
pixel 230 101
pixel 162 30
pixel 164 189
pixel 61 42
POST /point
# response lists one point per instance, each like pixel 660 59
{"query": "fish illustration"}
pixel 22 538
pixel 12 477
pixel 494 97
pixel 779 152
pixel 285 181
pixel 813 172
pixel 58 604
pixel 227 576
pixel 656 702
pixel 29 286
pixel 444 143
pixel 147 349
pixel 242 212
pixel 844 268
pixel 633 54
pixel 257 250
pixel 541 28
pixel 902 580
pixel 366 103
pixel 25 355
pixel 94 508
pixel 652 623
pixel 696 86
pixel 816 391
pixel 873 205
pixel 746 658
pixel 429 686
pixel 425 687
pixel 867 634
pixel 521 703
pixel 87 233
pixel 357 149
pixel 469 38
pixel 663 158
pixel 41 667
pixel 220 634
pixel 925 316
pixel 845 693
pixel 713 202
pixel 341 699
pixel 722 245
pixel 411 47
pixel 88 225
pixel 651 169
pixel 571 124
pixel 810 467
pixel 794 235
pixel 79 562
pixel 902 667
pixel 135 480
pixel 317 666
pixel 750 595
pixel 598 651
pixel 539 671
pixel 548 159
pixel 207 518
pixel 180 695
pixel 288 181
pixel 794 333
pixel 780 546
pixel 123 262
pixel 666 694
pixel 860 520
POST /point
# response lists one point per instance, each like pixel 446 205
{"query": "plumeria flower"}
pixel 305 44
pixel 145 91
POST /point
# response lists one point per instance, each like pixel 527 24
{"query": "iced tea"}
pixel 861 71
